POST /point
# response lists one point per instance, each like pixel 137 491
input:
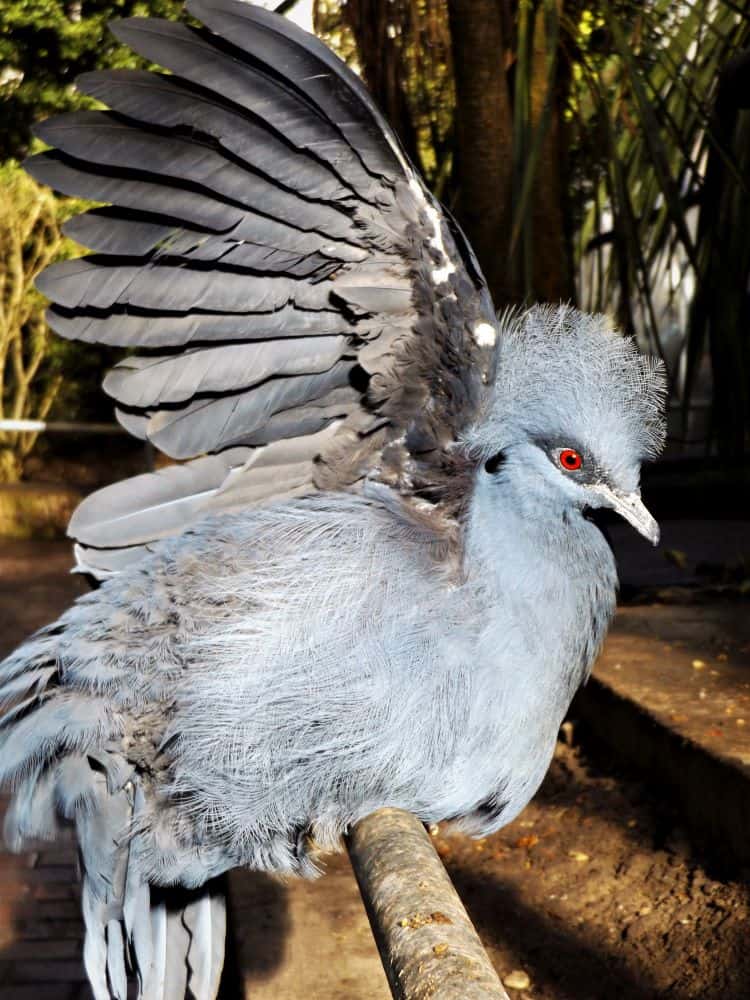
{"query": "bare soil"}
pixel 596 893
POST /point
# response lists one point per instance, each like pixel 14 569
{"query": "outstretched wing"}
pixel 305 315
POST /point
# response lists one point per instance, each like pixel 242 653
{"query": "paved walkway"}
pixel 671 695
pixel 40 924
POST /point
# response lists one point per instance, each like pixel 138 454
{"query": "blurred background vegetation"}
pixel 596 151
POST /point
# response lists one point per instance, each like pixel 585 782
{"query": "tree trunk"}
pixel 483 166
pixel 552 279
pixel 721 305
pixel 372 24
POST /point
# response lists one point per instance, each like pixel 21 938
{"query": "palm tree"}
pixel 596 150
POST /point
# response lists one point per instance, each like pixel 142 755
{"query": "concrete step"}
pixel 691 553
pixel 671 695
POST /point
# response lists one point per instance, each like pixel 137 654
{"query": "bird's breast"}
pixel 542 625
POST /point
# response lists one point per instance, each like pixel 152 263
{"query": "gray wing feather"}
pixel 293 39
pixel 81 283
pixel 109 511
pixel 180 494
pixel 104 563
pixel 380 299
pixel 134 423
pixel 309 419
pixel 192 207
pixel 174 331
pixel 95 137
pixel 104 231
pixel 309 68
pixel 193 57
pixel 261 216
pixel 227 421
pixel 143 383
pixel 169 102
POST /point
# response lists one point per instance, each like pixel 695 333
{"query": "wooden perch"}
pixel 427 942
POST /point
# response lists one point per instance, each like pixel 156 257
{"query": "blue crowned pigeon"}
pixel 373 582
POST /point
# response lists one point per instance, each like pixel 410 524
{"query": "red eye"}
pixel 570 460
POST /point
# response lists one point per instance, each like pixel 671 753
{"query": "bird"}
pixel 371 575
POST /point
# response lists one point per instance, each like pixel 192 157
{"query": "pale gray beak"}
pixel 632 508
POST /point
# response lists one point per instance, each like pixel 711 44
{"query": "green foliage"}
pixel 720 309
pixel 403 50
pixel 657 99
pixel 46 44
pixel 30 239
pixel 623 95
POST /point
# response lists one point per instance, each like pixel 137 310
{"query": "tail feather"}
pixel 95 943
pixel 155 983
pixel 176 957
pixel 174 936
pixel 136 910
pixel 206 919
pixel 55 749
pixel 187 932
pixel 116 973
pixel 102 831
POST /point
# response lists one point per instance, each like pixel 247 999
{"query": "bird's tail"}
pixel 170 939
pixel 188 928
pixel 55 753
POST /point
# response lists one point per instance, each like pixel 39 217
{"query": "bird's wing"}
pixel 305 314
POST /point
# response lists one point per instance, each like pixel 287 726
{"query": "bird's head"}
pixel 575 411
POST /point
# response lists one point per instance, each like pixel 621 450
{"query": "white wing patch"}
pixel 439 274
pixel 485 334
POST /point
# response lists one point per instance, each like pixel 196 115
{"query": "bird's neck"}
pixel 528 557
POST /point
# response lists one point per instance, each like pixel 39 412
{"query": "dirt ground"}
pixel 594 892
